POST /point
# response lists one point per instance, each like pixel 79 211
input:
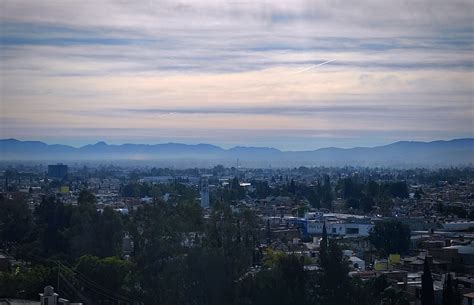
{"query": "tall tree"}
pixel 390 237
pixel 108 233
pixel 284 283
pixel 334 281
pixel 86 198
pixel 427 290
pixel 111 272
pixel 268 232
pixel 83 220
pixel 53 220
pixel 451 295
pixel 448 292
pixel 15 219
pixel 323 245
pixel 326 193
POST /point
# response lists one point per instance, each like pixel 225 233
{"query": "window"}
pixel 352 231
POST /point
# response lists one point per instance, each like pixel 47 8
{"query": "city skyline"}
pixel 294 76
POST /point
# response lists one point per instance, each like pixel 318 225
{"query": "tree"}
pixel 292 187
pixel 108 233
pixel 392 296
pixel 283 282
pixel 398 189
pixel 292 279
pixel 111 273
pixel 350 188
pixel 235 184
pixel 369 292
pixel 448 292
pixel 353 203
pixel 15 220
pixel 323 245
pixel 262 189
pixel 427 290
pixel 86 197
pixel 390 237
pixel 372 188
pixel 366 203
pixel 334 282
pixel 451 295
pixel 268 232
pixel 25 282
pixel 326 193
pixel 53 220
pixel 83 220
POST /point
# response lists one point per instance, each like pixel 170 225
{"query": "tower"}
pixel 204 192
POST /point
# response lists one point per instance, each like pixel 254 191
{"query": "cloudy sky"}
pixel 289 74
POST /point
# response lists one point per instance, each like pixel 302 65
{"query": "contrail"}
pixel 312 67
pixel 286 76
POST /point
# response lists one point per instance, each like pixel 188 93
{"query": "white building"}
pixel 339 228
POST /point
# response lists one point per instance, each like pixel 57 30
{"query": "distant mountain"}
pixel 456 152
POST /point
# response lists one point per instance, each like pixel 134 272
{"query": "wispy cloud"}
pixel 204 65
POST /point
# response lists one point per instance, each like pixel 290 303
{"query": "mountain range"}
pixel 457 152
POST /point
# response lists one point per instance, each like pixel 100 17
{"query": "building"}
pixel 49 297
pixel 336 224
pixel 58 171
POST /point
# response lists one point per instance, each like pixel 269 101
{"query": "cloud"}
pixel 205 65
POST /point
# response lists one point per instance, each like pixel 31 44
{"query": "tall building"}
pixel 58 171
pixel 204 192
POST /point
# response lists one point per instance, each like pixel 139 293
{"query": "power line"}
pixel 71 286
pixel 71 269
pixel 85 280
pixel 88 283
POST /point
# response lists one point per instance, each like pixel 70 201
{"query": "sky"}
pixel 294 75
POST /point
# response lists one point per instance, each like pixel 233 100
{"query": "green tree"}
pixel 53 220
pixel 285 283
pixel 326 193
pixel 262 190
pixel 370 292
pixel 398 189
pixel 25 282
pixel 83 220
pixel 86 197
pixel 15 220
pixel 111 273
pixel 372 189
pixel 334 282
pixel 390 237
pixel 108 232
pixel 323 245
pixel 392 296
pixel 427 290
pixel 366 203
pixel 451 295
pixel 353 203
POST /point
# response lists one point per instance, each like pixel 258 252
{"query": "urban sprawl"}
pixel 142 235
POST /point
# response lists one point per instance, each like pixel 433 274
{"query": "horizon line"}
pixel 235 146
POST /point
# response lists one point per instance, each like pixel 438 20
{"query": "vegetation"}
pixel 451 294
pixel 427 290
pixel 390 237
pixel 178 256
